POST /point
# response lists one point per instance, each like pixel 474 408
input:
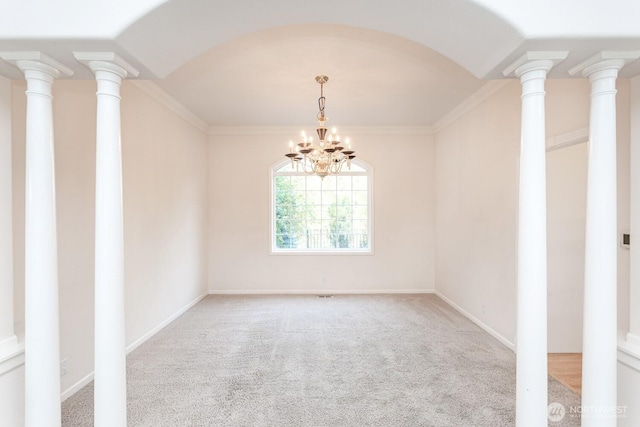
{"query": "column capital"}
pixel 107 61
pixel 606 59
pixel 37 61
pixel 535 60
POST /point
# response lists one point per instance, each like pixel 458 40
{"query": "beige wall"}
pixel 566 223
pixel 567 109
pixel 476 205
pixel 623 105
pixel 166 201
pixel 629 354
pixel 6 222
pixel 476 189
pixel 11 368
pixel 165 214
pixel 403 235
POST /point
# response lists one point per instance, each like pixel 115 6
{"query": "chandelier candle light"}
pixel 328 155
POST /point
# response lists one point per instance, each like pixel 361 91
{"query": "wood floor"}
pixel 567 368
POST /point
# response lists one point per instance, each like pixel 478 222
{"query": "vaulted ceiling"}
pixel 253 63
pixel 268 78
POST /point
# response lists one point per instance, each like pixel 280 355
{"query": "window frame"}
pixel 273 250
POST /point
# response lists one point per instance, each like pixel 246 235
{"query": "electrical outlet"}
pixel 63 367
pixel 625 240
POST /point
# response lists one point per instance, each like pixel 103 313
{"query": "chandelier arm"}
pixel 338 166
pixel 307 167
pixel 333 164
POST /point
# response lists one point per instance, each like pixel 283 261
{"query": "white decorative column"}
pixel 531 348
pixel 633 337
pixel 8 339
pixel 599 354
pixel 110 384
pixel 42 331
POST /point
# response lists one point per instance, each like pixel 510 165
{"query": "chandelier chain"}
pixel 327 156
pixel 321 102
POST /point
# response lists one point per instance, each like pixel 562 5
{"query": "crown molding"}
pixel 567 139
pixel 389 130
pixel 253 130
pixel 346 130
pixel 159 94
pixel 485 92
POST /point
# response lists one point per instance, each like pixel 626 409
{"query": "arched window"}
pixel 327 215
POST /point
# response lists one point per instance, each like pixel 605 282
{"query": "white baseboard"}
pixel 137 343
pixel 317 291
pixel 478 322
pixel 76 387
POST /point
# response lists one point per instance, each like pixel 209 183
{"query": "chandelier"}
pixel 326 156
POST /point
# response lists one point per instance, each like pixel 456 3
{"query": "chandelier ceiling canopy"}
pixel 328 154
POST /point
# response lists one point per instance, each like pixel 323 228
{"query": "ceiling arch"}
pixel 158 36
pixel 248 62
pixel 179 30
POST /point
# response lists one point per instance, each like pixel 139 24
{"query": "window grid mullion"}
pixel 335 216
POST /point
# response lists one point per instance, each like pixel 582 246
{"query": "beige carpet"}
pixel 356 360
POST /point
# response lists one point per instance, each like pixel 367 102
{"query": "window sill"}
pixel 321 253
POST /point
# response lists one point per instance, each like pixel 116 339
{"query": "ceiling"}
pixel 268 79
pixel 252 63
